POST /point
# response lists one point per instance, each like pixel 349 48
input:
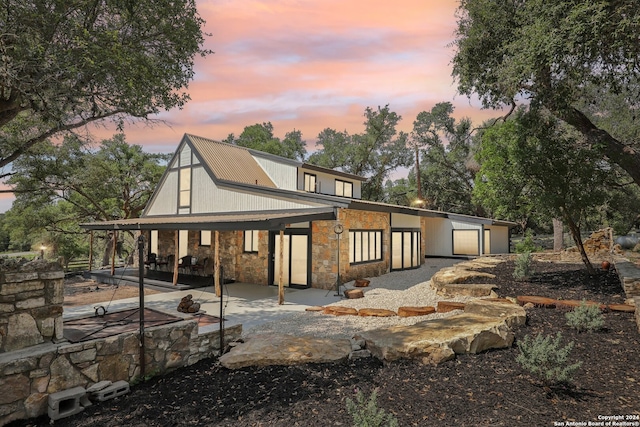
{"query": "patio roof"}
pixel 271 220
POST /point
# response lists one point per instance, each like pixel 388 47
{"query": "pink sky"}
pixel 312 64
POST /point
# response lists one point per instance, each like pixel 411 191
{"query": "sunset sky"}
pixel 312 64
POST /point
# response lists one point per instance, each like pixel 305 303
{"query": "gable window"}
pixel 344 188
pixel 185 187
pixel 251 241
pixel 205 238
pixel 365 246
pixel 310 183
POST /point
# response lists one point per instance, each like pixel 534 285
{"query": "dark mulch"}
pixel 488 389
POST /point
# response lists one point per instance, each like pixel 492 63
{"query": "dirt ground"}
pixel 487 389
pixel 80 291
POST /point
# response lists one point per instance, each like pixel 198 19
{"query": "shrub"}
pixel 545 358
pixel 367 413
pixel 527 244
pixel 585 317
pixel 523 266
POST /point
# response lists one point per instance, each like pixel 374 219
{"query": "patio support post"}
pixel 281 267
pixel 90 250
pixel 141 292
pixel 216 265
pixel 114 243
pixel 175 258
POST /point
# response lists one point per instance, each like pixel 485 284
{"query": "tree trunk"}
pixel 575 233
pixel 621 154
pixel 557 235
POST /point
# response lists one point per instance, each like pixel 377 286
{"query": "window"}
pixel 310 183
pixel 153 244
pixel 466 242
pixel 183 243
pixel 405 249
pixel 487 242
pixel 205 238
pixel 251 241
pixel 185 187
pixel 344 188
pixel 365 246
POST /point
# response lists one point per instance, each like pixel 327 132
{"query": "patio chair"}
pixel 200 267
pixel 152 260
pixel 167 262
pixel 185 263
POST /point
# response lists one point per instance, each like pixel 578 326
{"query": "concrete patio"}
pixel 249 304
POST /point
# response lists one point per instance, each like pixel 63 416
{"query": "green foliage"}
pixel 60 186
pixel 374 154
pixel 365 413
pixel 67 64
pixel 571 57
pixel 527 244
pixel 533 162
pixel 545 358
pixel 522 268
pixel 585 318
pixel 447 164
pixel 260 137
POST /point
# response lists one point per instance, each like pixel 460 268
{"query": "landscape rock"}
pixel 513 314
pixel 337 310
pixel 457 274
pixel 428 340
pixel 353 293
pixel 314 308
pixel 415 311
pixel 466 289
pixel 447 306
pixel 376 312
pixel 275 349
pixel 361 283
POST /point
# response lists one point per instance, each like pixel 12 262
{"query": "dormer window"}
pixel 310 183
pixel 344 188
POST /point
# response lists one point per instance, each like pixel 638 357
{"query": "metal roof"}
pixel 270 220
pixel 230 162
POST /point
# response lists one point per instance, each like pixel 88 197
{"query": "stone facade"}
pixel 251 267
pixel 45 364
pixel 324 251
pixel 31 297
pixel 229 249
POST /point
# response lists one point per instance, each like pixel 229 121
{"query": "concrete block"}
pixel 114 390
pixel 67 402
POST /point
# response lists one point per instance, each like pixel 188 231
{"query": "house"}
pixel 262 208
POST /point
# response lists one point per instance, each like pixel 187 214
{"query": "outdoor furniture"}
pixel 152 260
pixel 186 263
pixel 162 262
pixel 200 267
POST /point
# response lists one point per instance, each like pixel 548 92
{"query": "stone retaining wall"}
pixel 629 274
pixel 31 297
pixel 35 361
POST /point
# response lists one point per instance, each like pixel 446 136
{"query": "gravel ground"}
pixel 390 291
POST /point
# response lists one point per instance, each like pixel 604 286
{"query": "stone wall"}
pixel 35 360
pixel 228 249
pixel 31 297
pixel 253 267
pixel 325 244
pixel 629 275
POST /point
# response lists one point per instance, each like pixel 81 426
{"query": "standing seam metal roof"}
pixel 231 163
